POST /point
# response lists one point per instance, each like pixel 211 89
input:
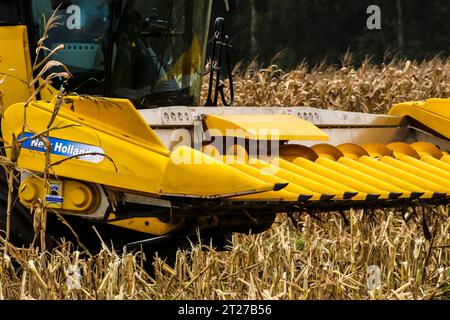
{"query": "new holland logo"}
pixel 66 148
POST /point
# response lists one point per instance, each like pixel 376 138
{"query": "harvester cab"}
pixel 146 163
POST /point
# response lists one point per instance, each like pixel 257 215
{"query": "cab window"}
pixel 9 13
pixel 82 29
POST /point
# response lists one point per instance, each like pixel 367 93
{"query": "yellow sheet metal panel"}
pixel 437 163
pixel 426 167
pixel 133 166
pixel 238 152
pixel 14 61
pixel 320 178
pixel 266 175
pixel 378 150
pixel 446 159
pixel 113 116
pixel 400 149
pixel 403 186
pixel 439 107
pixel 319 191
pixel 265 127
pixel 126 165
pixel 152 226
pixel 192 173
pixel 292 177
pixel 341 178
pixel 422 183
pixel 327 151
pixel 352 151
pixel 433 113
pixel 289 194
pixel 290 152
pixel 378 186
pixel 427 149
pixel 444 185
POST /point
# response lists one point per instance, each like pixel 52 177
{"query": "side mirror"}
pixel 231 5
pixel 61 4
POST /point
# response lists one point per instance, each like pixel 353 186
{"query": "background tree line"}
pixel 314 30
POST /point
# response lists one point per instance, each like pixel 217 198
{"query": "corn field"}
pixel 369 88
pixel 327 256
pixel 321 258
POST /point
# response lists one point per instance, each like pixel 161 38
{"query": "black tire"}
pixel 22 232
pixel 266 221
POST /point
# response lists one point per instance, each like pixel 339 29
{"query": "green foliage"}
pixel 300 244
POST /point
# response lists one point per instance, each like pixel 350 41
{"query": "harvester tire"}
pixel 22 232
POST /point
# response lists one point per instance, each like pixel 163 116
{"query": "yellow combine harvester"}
pixel 147 163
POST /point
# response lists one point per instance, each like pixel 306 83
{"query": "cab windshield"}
pixel 148 51
pixel 158 51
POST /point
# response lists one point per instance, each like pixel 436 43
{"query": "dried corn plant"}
pixel 369 88
pixel 42 75
pixel 325 259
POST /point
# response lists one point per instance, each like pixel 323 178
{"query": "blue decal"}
pixel 54 199
pixel 64 148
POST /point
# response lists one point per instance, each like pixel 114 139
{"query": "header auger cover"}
pixel 145 161
pixel 102 147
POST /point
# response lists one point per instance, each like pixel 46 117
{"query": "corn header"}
pixel 146 163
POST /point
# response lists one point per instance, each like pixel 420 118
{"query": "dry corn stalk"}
pixel 325 260
pixel 369 88
pixel 268 266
